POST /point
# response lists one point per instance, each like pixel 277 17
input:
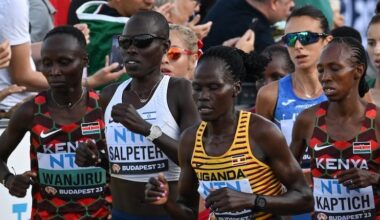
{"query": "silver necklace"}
pixel 142 100
pixel 70 105
pixel 304 89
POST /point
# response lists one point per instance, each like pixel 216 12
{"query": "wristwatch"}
pixel 260 203
pixel 155 132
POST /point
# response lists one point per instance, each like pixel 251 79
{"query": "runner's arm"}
pixel 273 144
pixel 184 111
pixel 266 100
pixel 301 133
pixel 186 206
pixel 18 125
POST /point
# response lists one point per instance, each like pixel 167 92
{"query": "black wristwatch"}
pixel 260 203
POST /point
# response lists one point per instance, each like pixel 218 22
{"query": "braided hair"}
pixel 276 50
pixel 238 65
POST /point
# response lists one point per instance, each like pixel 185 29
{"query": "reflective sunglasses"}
pixel 139 41
pixel 304 37
pixel 174 53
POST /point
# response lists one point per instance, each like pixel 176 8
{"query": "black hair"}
pixel 158 19
pixel 377 8
pixel 346 31
pixel 69 30
pixel 312 12
pixel 272 51
pixel 375 19
pixel 239 66
pixel 358 56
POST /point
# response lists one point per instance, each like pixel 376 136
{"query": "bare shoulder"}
pixel 22 118
pixel 307 117
pixel 187 141
pixel 262 127
pixel 269 91
pixel 107 94
pixel 266 100
pixel 179 89
pixel 178 84
pixel 266 139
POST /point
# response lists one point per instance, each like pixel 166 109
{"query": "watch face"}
pixel 155 132
pixel 261 202
pixel 156 129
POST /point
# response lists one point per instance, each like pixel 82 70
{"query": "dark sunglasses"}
pixel 139 41
pixel 304 37
pixel 174 53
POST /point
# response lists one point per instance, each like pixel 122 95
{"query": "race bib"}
pixel 287 128
pixel 332 200
pixel 60 176
pixel 241 185
pixel 131 154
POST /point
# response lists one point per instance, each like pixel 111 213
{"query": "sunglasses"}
pixel 139 41
pixel 304 37
pixel 174 53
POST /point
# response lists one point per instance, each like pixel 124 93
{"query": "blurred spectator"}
pixel 62 7
pixel 233 18
pixel 182 12
pixel 104 26
pixel 5 57
pixel 206 5
pixel 128 8
pixel 338 18
pixel 40 18
pixel 5 54
pixel 21 69
pixel 72 17
pixel 244 43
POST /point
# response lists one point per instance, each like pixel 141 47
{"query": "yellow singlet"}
pixel 237 169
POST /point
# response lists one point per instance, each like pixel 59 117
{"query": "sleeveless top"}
pixel 329 157
pixel 64 190
pixel 237 169
pixel 132 157
pixel 288 106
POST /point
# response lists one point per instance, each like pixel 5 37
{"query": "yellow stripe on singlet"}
pixel 237 162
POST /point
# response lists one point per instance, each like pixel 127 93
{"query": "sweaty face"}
pixel 62 61
pixel 337 72
pixel 212 93
pixel 305 56
pixel 373 45
pixel 180 62
pixel 141 58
